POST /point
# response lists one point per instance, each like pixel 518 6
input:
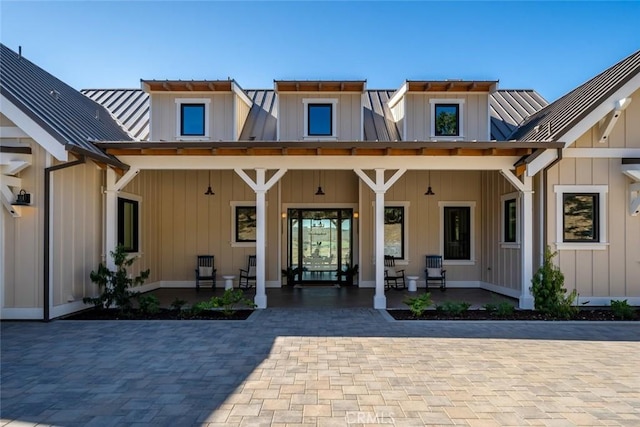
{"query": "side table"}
pixel 413 287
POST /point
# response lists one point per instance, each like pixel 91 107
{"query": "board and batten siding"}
pixel 23 238
pixel 77 212
pixel 241 114
pixel 614 271
pixel 348 115
pixel 398 116
pixel 424 220
pixel 475 114
pixel 180 222
pixel 165 122
pixel 501 266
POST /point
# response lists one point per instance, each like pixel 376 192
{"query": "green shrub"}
pixel 453 308
pixel 550 297
pixel 226 302
pixel 177 304
pixel 115 285
pixel 622 310
pixel 417 305
pixel 501 309
pixel 148 304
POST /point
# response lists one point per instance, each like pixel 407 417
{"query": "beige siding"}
pixel 23 241
pixel 348 114
pixel 599 273
pixel 501 266
pixel 424 219
pixel 165 121
pixel 77 231
pixel 241 113
pixel 474 111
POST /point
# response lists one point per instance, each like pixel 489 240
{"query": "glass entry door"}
pixel 319 243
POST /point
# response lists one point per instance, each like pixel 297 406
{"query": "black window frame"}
pixel 135 232
pixel 319 104
pixel 507 237
pixel 465 248
pixel 435 118
pixel 402 230
pixel 204 122
pixel 250 211
pixel 595 217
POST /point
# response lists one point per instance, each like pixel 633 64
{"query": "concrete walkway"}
pixel 327 367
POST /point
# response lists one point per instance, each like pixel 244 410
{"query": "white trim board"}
pixel 22 314
pixel 601 153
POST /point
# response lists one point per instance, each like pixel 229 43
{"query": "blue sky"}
pixel 548 46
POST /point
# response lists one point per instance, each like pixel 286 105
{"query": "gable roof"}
pixel 130 108
pixel 557 119
pixel 64 113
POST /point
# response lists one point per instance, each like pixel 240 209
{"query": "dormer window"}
pixel 193 118
pixel 320 118
pixel 446 118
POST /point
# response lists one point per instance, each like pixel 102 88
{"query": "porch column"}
pixel 110 218
pixel 261 186
pixel 526 248
pixel 380 188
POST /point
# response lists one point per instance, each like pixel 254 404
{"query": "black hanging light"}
pixel 209 191
pixel 429 191
pixel 319 192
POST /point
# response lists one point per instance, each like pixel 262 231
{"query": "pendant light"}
pixel 319 192
pixel 209 191
pixel 429 191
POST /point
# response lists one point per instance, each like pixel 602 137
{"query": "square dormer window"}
pixel 320 118
pixel 192 118
pixel 446 118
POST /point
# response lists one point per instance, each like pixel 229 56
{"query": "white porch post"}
pixel 110 218
pixel 526 251
pixel 379 299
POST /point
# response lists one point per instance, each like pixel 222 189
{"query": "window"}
pixel 243 224
pixel 446 118
pixel 320 118
pixel 581 216
pixel 394 232
pixel 128 224
pixel 192 118
pixel 457 232
pixel 510 222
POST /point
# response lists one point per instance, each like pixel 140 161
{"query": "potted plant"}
pixel 290 274
pixel 348 272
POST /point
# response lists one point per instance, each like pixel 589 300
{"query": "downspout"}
pixel 47 239
pixel 545 219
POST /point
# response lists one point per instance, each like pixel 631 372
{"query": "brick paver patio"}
pixel 327 367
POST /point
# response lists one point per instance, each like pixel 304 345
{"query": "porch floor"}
pixel 333 297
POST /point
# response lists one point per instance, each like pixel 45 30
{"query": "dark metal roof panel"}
pixel 552 122
pixel 509 108
pixel 65 113
pixel 129 107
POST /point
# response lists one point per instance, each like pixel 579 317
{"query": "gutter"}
pixel 47 231
pixel 545 219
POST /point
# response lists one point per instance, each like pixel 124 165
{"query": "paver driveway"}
pixel 320 367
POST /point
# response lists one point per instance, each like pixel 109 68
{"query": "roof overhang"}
pixel 452 85
pixel 322 148
pixel 320 85
pixel 187 85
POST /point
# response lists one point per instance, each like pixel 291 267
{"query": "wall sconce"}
pixel 22 199
pixel 283 215
pixel 356 215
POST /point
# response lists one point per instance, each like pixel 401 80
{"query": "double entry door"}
pixel 320 243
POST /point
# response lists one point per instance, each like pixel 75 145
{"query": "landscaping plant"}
pixel 115 286
pixel 550 297
pixel 501 309
pixel 148 304
pixel 226 302
pixel 177 304
pixel 622 310
pixel 417 305
pixel 453 308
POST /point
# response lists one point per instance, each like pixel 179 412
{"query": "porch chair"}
pixel 392 276
pixel 435 272
pixel 205 270
pixel 248 275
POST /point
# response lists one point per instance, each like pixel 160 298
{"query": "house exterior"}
pixel 327 174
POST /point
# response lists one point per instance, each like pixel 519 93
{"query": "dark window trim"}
pixel 435 115
pixel 506 237
pixel 402 225
pixel 466 256
pixel 204 122
pixel 324 104
pixel 237 237
pixel 596 218
pixel 122 201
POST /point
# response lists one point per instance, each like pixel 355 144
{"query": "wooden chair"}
pixel 205 270
pixel 392 276
pixel 435 272
pixel 248 275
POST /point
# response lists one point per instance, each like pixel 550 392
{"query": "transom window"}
pixel 320 118
pixel 192 119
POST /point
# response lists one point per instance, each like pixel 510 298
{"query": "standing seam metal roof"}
pixel 65 113
pixel 552 122
pixel 130 107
